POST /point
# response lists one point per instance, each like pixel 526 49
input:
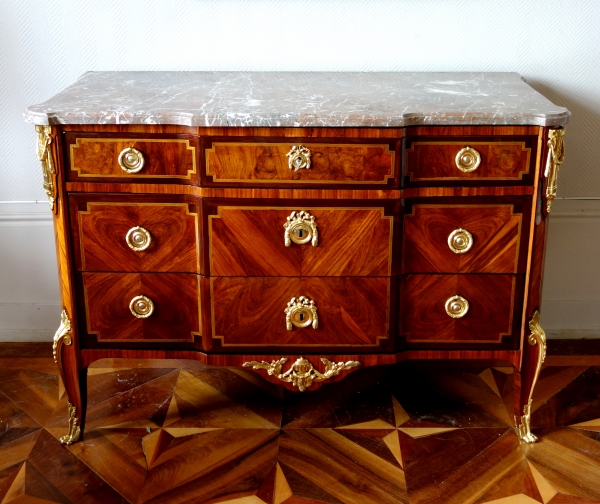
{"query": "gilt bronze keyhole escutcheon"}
pixel 301 312
pixel 298 158
pixel 300 228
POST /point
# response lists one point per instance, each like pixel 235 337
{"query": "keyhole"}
pixel 300 231
pixel 301 317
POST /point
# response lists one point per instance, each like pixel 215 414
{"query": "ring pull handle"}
pixel 299 157
pixel 301 312
pixel 131 160
pixel 138 238
pixel 141 307
pixel 457 306
pixel 300 228
pixel 460 241
pixel 467 159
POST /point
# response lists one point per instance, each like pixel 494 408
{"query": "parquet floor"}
pixel 178 431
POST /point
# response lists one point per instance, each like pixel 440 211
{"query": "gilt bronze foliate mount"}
pixel 556 156
pixel 44 154
pixel 63 337
pixel 302 373
pixel 537 337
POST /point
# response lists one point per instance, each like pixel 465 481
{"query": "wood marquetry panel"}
pixel 175 297
pixel 249 241
pixel 177 431
pixel 267 163
pixel 436 160
pixel 97 156
pixel 249 312
pixel 495 303
pixel 496 239
pixel 102 229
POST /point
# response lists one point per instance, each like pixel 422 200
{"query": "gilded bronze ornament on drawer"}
pixel 131 160
pixel 44 154
pixel 536 337
pixel 299 157
pixel 300 228
pixel 457 306
pixel 301 312
pixel 302 374
pixel 556 156
pixel 138 238
pixel 460 241
pixel 467 159
pixel 141 307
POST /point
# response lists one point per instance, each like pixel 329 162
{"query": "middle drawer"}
pixel 302 240
pixel 466 235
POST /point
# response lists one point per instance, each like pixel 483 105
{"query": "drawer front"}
pixel 469 160
pixel 299 163
pixel 493 309
pixel 300 241
pixel 466 238
pixel 251 312
pixel 132 159
pixel 172 299
pixel 137 236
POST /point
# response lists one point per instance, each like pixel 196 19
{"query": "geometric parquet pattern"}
pixel 180 432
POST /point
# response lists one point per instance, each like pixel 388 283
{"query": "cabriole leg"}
pixel 69 372
pixel 533 358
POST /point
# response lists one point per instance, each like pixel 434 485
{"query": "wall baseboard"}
pixel 26 336
pixel 571 298
pixel 29 296
pixel 21 322
pixel 23 213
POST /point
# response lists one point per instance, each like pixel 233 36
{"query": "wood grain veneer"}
pixel 217 192
pixel 100 225
pixel 435 160
pixel 352 311
pixel 95 157
pixel 496 229
pixel 267 163
pixel 249 132
pixel 493 302
pixel 176 299
pixel 249 241
pixel 508 156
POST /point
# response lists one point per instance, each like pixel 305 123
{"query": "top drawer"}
pixel 506 160
pixel 123 158
pixel 298 162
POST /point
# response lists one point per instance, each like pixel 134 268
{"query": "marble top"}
pixel 302 99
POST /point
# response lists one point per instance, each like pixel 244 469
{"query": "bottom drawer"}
pixel 257 312
pixel 461 309
pixel 129 307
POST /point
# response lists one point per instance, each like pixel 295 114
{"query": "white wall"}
pixel 46 45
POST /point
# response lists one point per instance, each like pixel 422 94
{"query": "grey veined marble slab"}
pixel 303 99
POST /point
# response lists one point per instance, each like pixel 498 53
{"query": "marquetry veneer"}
pixel 267 163
pixel 302 253
pixel 167 158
